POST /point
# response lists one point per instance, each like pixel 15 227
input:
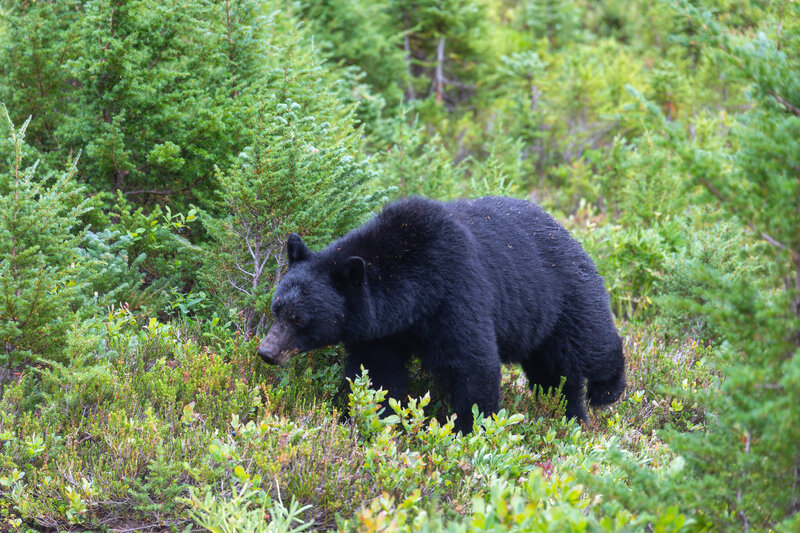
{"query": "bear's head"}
pixel 309 305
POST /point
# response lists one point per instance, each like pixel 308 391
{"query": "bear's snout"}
pixel 276 347
pixel 267 356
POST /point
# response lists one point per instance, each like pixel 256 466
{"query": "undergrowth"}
pixel 175 426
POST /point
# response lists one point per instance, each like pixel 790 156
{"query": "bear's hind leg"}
pixel 540 373
pixel 573 393
pixel 607 376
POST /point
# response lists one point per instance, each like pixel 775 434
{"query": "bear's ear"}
pixel 296 249
pixel 353 272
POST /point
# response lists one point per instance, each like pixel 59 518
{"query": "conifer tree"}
pixel 38 252
pixel 360 34
pixel 755 433
pixel 301 173
pixel 35 47
pixel 416 163
pixel 744 472
pixel 557 21
pixel 153 92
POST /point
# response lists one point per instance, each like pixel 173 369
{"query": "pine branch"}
pixel 789 107
pixel 750 224
pixel 34 305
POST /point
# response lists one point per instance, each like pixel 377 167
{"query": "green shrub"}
pixel 632 262
pixel 248 509
pixel 156 257
pixel 167 419
pixel 723 249
pixel 416 163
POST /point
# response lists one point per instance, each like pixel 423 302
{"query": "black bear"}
pixel 464 286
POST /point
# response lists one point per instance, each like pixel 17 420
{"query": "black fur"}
pixel 464 286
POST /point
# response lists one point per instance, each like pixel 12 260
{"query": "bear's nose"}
pixel 267 355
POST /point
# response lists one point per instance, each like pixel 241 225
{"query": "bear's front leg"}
pixel 386 362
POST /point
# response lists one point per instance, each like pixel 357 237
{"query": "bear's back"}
pixel 518 233
pixel 536 270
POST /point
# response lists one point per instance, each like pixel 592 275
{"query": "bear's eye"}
pixel 296 320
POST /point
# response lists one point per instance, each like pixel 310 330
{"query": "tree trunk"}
pixel 534 95
pixel 234 93
pixel 438 81
pixel 410 93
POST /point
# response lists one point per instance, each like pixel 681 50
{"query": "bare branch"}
pixel 458 84
pixel 150 191
pixel 774 242
pixel 243 271
pixel 280 263
pixel 250 247
pixel 235 286
pixel 713 190
pixel 263 264
pixel 763 234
